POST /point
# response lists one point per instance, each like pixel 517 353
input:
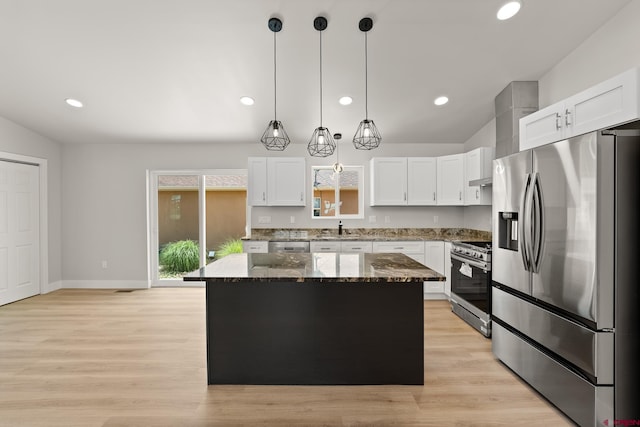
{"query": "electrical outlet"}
pixel 104 264
pixel 372 218
pixel 387 219
pixel 264 220
pixel 292 219
pixel 435 219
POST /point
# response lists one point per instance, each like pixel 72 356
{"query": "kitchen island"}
pixel 315 318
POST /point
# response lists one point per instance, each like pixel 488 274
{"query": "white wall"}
pixel 607 52
pixel 18 140
pixel 105 199
pixel 484 137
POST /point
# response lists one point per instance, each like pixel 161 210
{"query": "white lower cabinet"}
pixel 447 269
pixel 352 246
pixel 324 246
pixel 412 249
pixel 356 246
pixel 435 260
pixel 255 246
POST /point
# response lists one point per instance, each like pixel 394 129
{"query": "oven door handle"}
pixel 473 263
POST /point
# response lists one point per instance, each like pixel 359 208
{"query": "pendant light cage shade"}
pixel 321 143
pixel 275 138
pixel 367 136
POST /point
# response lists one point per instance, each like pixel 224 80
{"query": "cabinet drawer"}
pixel 255 246
pixel 433 287
pixel 399 246
pixel 356 246
pixel 324 246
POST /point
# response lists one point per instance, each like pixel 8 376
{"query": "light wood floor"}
pixel 106 358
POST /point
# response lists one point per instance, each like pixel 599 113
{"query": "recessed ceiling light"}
pixel 441 100
pixel 247 100
pixel 345 100
pixel 508 10
pixel 73 102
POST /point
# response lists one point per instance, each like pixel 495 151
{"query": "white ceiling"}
pixel 174 70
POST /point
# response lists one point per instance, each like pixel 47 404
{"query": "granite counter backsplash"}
pixel 448 234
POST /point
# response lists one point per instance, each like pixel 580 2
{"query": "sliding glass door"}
pixel 194 217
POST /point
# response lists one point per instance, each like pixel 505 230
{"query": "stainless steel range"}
pixel 471 283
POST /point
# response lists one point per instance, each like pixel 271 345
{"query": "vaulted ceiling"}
pixel 174 70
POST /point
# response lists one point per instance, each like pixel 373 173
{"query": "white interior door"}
pixel 19 231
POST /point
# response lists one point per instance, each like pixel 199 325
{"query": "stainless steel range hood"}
pixel 482 182
pixel 515 101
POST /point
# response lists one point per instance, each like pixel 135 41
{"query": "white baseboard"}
pixel 50 287
pixel 105 284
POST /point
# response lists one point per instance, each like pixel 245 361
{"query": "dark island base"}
pixel 315 333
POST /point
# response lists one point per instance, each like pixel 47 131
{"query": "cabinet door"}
pixel 606 104
pixel 286 183
pixel 421 181
pixel 388 181
pixel 477 164
pixel 434 255
pixel 356 246
pixel 447 268
pixel 255 246
pixel 321 246
pixel 542 127
pixel 450 180
pixel 257 181
pixel 412 249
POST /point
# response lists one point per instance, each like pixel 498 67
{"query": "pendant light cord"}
pixel 320 78
pixel 366 78
pixel 275 81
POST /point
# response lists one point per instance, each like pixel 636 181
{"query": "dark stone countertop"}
pixel 370 234
pixel 315 268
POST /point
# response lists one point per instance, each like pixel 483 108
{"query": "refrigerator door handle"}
pixel 524 225
pixel 538 224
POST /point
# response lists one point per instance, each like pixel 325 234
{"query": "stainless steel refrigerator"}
pixel 566 273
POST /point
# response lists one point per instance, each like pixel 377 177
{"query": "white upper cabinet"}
pixel 610 103
pixel 450 180
pixel 401 181
pixel 257 185
pixel 277 181
pixel 421 181
pixel 478 166
pixel 286 183
pixel 388 181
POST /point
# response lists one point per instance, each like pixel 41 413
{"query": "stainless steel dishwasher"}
pixel 288 247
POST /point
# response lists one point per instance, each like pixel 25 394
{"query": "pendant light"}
pixel 367 136
pixel 321 143
pixel 275 138
pixel 337 166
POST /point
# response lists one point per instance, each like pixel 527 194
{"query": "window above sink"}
pixel 337 195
